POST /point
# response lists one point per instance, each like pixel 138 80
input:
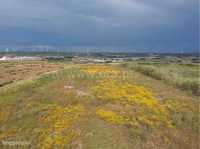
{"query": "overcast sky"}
pixel 137 24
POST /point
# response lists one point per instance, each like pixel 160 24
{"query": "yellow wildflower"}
pixel 111 116
pixel 60 131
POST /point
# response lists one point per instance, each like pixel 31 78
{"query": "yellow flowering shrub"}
pixel 146 108
pixel 111 116
pixel 100 69
pixel 125 92
pixel 60 131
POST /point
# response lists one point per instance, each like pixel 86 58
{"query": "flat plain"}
pixel 96 106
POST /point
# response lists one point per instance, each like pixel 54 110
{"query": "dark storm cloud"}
pixel 142 24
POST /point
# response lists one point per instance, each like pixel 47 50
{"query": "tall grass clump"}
pixel 183 77
pixel 150 71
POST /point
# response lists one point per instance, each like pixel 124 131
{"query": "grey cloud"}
pixel 104 21
pixel 105 11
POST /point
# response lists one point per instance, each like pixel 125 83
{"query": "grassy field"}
pixel 97 107
pixel 180 75
pixel 14 71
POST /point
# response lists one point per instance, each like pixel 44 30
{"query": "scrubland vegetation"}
pixel 96 107
pixel 183 76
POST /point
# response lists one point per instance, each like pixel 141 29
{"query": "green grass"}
pixel 23 105
pixel 182 76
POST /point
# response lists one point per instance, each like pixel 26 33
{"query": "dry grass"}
pixel 185 77
pixel 14 71
pixel 64 110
